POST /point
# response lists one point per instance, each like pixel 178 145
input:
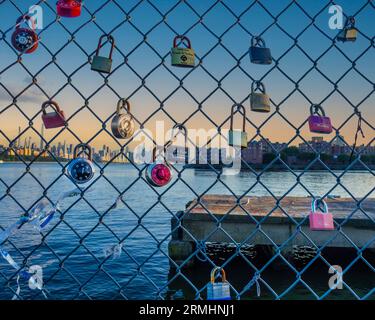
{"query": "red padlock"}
pixel 322 221
pixel 25 40
pixel 69 8
pixel 158 174
pixel 53 119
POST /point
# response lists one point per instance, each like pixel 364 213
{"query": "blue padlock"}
pixel 218 290
pixel 81 170
pixel 259 54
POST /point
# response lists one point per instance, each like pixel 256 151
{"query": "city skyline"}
pixel 157 93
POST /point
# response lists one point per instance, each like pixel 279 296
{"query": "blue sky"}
pixel 141 60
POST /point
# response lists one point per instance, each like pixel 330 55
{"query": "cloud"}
pixel 32 95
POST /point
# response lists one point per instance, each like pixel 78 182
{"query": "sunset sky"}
pixel 162 87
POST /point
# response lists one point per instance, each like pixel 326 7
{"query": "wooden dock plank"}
pixel 218 218
pixel 296 207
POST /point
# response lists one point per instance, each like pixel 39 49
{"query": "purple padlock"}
pixel 53 119
pixel 320 221
pixel 318 122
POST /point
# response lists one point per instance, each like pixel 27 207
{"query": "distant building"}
pixel 253 153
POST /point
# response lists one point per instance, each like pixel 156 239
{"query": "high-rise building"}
pixel 41 146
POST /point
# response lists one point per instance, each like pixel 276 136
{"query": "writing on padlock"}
pixel 123 125
pixel 237 138
pixel 69 8
pixel 318 122
pixel 259 101
pixel 218 290
pixel 259 54
pixel 349 32
pixel 320 220
pixel 25 40
pixel 182 57
pixel 100 63
pixel 53 119
pixel 81 170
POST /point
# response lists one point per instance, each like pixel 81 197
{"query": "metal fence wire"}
pixel 195 21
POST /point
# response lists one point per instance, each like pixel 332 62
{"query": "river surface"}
pixel 78 239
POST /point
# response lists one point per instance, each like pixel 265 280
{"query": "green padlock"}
pixel 103 64
pixel 182 57
pixel 238 138
pixel 349 33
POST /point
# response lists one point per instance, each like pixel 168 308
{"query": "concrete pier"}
pixel 256 221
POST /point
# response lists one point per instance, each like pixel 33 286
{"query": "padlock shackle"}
pixel 183 38
pixel 154 157
pixel 50 103
pixel 25 18
pixel 257 41
pixel 350 22
pixel 238 106
pixel 316 108
pixel 179 127
pixel 121 105
pixel 100 45
pixel 316 201
pixel 258 85
pixel 213 273
pixel 84 147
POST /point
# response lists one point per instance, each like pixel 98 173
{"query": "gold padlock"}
pixel 259 101
pixel 103 64
pixel 349 32
pixel 182 57
pixel 237 138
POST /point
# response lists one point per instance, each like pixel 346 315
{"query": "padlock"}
pixel 103 64
pixel 319 123
pixel 80 169
pixel 158 174
pixel 55 119
pixel 259 101
pixel 123 125
pixel 182 57
pixel 320 220
pixel 25 40
pixel 259 54
pixel 69 8
pixel 349 32
pixel 238 138
pixel 218 290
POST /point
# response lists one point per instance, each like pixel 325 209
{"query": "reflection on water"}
pixel 78 236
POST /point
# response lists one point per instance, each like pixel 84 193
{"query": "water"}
pixel 76 241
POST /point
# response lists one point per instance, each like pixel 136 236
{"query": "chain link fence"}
pixel 110 239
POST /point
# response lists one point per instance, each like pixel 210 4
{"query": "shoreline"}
pixel 256 167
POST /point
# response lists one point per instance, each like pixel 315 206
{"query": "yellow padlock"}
pixel 259 101
pixel 349 32
pixel 182 57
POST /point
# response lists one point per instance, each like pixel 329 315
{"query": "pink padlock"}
pixel 53 119
pixel 318 122
pixel 320 220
